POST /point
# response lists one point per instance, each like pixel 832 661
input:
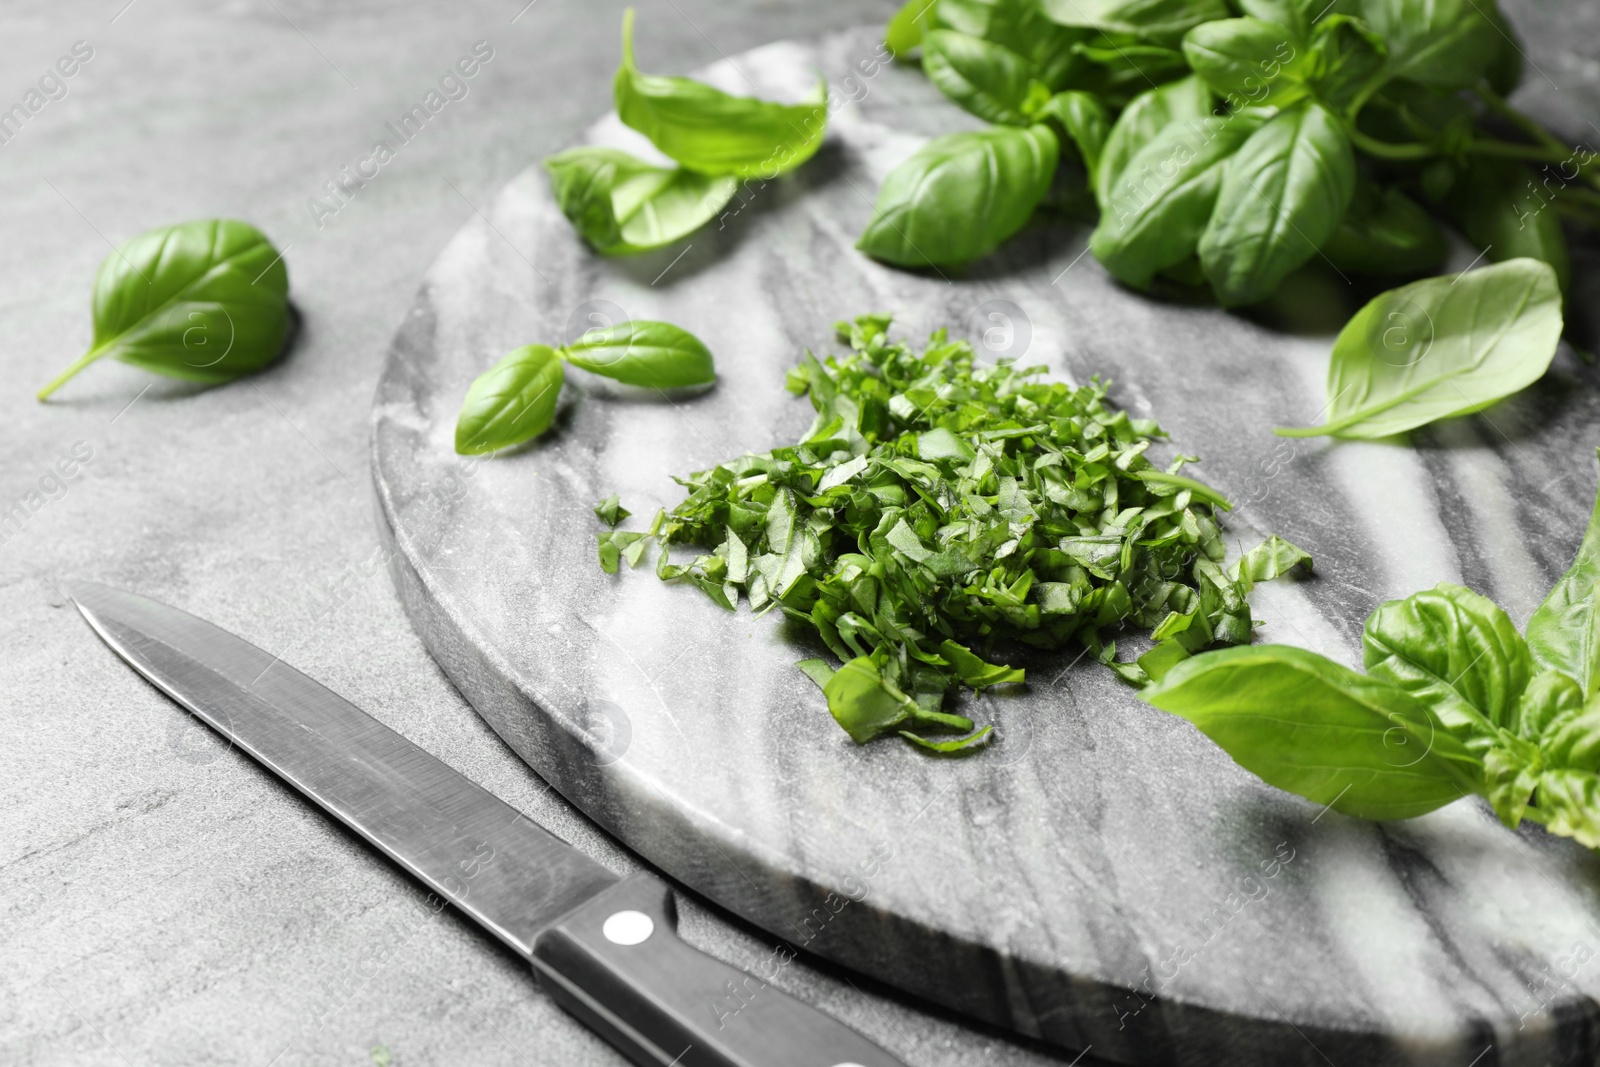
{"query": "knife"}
pixel 604 947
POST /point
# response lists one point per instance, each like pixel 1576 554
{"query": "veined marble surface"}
pixel 1101 876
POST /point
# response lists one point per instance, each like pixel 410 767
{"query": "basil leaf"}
pixel 1019 26
pixel 1567 797
pixel 1445 43
pixel 1282 195
pixel 1564 633
pixel 617 544
pixel 1456 651
pixel 655 355
pixel 977 672
pixel 862 702
pixel 204 301
pixel 1085 122
pixel 1441 347
pixel 1158 208
pixel 1505 71
pixel 1145 116
pixel 708 130
pixel 1250 63
pixel 960 744
pixel 610 510
pixel 1350 59
pixel 1384 231
pixel 622 205
pixel 906 28
pixel 1569 803
pixel 1298 15
pixel 960 195
pixel 1271 559
pixel 1502 210
pixel 512 402
pixel 987 79
pixel 1305 724
pixel 1162 21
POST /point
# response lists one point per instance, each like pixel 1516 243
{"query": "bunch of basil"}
pixel 1242 147
pixel 623 205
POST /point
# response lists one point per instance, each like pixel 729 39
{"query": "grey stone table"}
pixel 163 901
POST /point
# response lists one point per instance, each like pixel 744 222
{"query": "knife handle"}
pixel 617 963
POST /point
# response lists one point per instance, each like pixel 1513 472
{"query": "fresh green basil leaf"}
pixel 1307 725
pixel 1507 214
pixel 1020 26
pixel 1298 15
pixel 610 510
pixel 1349 60
pixel 1085 122
pixel 709 131
pixel 959 744
pixel 817 670
pixel 1282 196
pixel 1145 116
pixel 1163 21
pixel 622 205
pixel 960 195
pixel 655 355
pixel 1250 63
pixel 1552 698
pixel 1445 43
pixel 1441 347
pixel 1567 798
pixel 1457 652
pixel 1569 804
pixel 617 544
pixel 1159 206
pixel 1384 231
pixel 512 402
pixel 977 672
pixel 904 33
pixel 1511 769
pixel 1564 633
pixel 1271 559
pixel 864 703
pixel 205 301
pixel 987 79
pixel 1505 72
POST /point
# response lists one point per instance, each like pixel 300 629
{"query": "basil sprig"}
pixel 516 400
pixel 1454 702
pixel 205 301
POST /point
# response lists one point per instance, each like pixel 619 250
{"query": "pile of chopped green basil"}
pixel 942 515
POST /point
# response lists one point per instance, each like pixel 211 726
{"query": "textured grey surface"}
pixel 161 901
pixel 1099 846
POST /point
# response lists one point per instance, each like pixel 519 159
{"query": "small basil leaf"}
pixel 1250 63
pixel 1158 208
pixel 862 702
pixel 987 79
pixel 1349 59
pixel 1307 725
pixel 1504 211
pixel 1446 43
pixel 512 402
pixel 960 195
pixel 977 672
pixel 615 544
pixel 1385 232
pixel 1441 347
pixel 1085 122
pixel 1271 559
pixel 1510 775
pixel 610 510
pixel 204 301
pixel 1569 804
pixel 623 205
pixel 709 131
pixel 960 744
pixel 1564 633
pixel 651 354
pixel 1282 196
pixel 1505 71
pixel 1456 651
pixel 1162 21
pixel 906 28
pixel 1145 116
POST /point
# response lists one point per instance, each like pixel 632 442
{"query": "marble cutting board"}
pixel 1101 877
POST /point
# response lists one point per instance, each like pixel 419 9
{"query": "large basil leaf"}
pixel 1163 21
pixel 1384 231
pixel 1456 651
pixel 623 205
pixel 985 78
pixel 512 402
pixel 1564 633
pixel 1446 43
pixel 1500 206
pixel 1305 724
pixel 1145 116
pixel 1158 208
pixel 708 130
pixel 960 195
pixel 1282 196
pixel 1250 63
pixel 205 301
pixel 652 354
pixel 1441 347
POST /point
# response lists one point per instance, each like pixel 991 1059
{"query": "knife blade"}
pixel 605 947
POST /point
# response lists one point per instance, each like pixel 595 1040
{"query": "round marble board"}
pixel 1101 876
